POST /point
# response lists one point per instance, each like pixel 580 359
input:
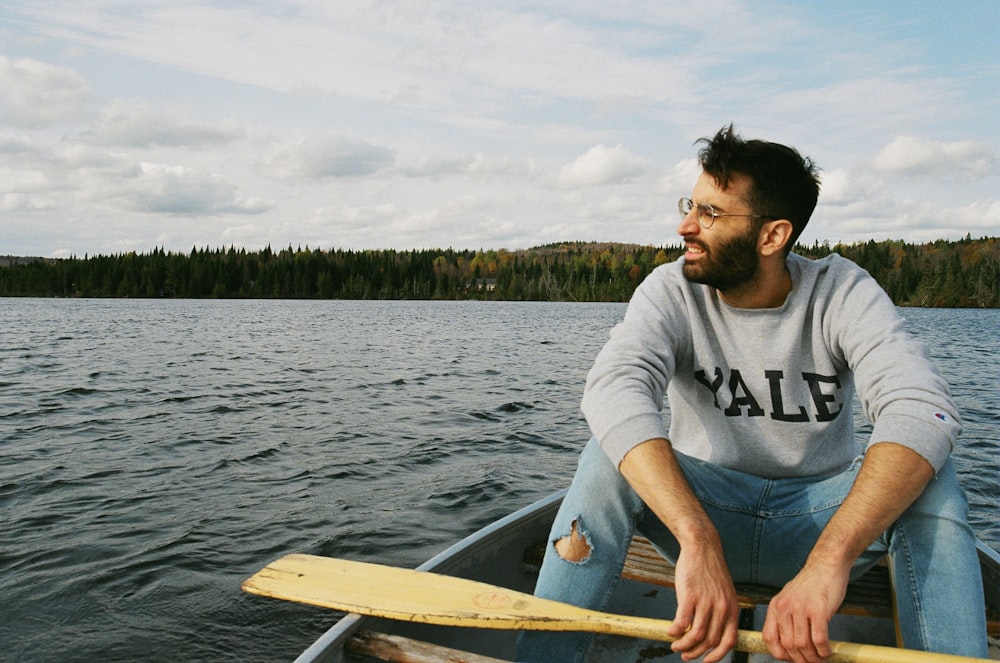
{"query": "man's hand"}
pixel 707 611
pixel 798 618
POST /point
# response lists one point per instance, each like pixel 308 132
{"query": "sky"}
pixel 132 126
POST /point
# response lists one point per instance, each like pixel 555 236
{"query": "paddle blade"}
pixel 429 598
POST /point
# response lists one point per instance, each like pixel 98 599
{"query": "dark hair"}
pixel 784 184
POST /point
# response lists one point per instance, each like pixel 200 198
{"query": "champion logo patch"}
pixel 941 416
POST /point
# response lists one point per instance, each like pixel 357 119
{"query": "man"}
pixel 760 478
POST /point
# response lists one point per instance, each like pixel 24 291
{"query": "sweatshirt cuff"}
pixel 622 438
pixel 932 437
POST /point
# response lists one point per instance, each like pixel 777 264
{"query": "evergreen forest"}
pixel 943 274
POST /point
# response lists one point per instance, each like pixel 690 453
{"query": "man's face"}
pixel 725 255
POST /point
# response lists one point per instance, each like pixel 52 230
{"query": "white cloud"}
pixel 136 123
pixel 923 219
pixel 321 157
pixel 383 225
pixel 478 165
pixel 155 187
pixel 836 186
pixel 434 167
pixel 880 214
pixel 913 156
pixel 849 188
pixel 484 165
pixel 679 180
pixel 11 144
pixel 38 173
pixel 11 202
pixel 33 171
pixel 461 58
pixel 602 165
pixel 845 104
pixel 37 94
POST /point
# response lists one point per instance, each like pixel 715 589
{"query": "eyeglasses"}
pixel 707 214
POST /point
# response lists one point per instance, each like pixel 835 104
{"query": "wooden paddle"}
pixel 429 598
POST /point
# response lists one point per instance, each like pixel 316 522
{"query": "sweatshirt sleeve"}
pixel 900 389
pixel 624 395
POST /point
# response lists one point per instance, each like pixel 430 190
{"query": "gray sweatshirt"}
pixel 768 392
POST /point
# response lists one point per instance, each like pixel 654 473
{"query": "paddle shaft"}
pixel 429 598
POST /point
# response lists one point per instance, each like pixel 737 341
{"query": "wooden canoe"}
pixel 507 553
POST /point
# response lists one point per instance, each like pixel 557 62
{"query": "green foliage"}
pixel 940 274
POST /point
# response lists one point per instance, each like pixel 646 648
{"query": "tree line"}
pixel 947 274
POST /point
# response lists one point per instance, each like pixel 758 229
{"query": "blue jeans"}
pixel 768 528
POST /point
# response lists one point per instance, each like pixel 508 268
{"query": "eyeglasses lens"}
pixel 706 213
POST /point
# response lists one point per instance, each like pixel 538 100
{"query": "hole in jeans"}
pixel 575 547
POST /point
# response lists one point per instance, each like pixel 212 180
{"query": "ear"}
pixel 774 235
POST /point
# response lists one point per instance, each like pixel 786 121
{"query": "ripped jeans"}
pixel 768 528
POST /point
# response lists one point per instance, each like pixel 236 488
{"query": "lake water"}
pixel 153 454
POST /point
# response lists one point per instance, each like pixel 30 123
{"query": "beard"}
pixel 728 265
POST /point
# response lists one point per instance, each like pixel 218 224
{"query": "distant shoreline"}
pixel 942 274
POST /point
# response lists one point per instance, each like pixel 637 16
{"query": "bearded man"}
pixel 759 477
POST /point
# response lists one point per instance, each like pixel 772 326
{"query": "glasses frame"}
pixel 685 206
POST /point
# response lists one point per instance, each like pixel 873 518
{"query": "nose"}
pixel 689 224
